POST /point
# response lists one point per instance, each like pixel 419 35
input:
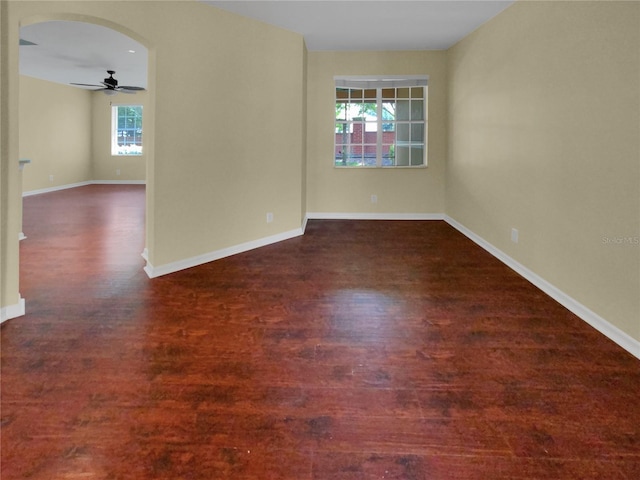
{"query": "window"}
pixel 126 130
pixel 381 122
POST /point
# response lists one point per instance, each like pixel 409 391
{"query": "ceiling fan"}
pixel 110 86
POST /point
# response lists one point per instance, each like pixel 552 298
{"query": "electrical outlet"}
pixel 118 171
pixel 269 217
pixel 514 235
pixel 51 178
pixel 374 198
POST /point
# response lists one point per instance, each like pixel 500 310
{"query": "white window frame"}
pixel 379 83
pixel 116 150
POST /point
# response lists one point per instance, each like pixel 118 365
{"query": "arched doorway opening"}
pixel 105 169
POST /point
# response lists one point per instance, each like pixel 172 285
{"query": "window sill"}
pixel 375 167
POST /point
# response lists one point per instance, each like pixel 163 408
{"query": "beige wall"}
pixel 10 176
pixel 228 131
pixel 66 132
pixel 340 190
pixel 543 129
pixel 105 165
pixel 305 119
pixel 226 118
pixel 55 134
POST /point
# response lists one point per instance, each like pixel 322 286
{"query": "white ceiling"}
pixel 372 24
pixel 67 52
pixel 78 52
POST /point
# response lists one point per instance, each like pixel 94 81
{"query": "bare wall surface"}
pixel 115 167
pixel 340 190
pixel 543 128
pixel 228 131
pixel 226 112
pixel 55 134
pixel 10 184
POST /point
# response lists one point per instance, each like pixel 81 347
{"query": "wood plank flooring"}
pixel 362 350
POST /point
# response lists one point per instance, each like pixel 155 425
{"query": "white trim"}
pixel 145 254
pixel 610 331
pixel 154 272
pixel 380 81
pixel 118 182
pixel 21 236
pixel 373 216
pixel 83 184
pixel 55 189
pixel 12 311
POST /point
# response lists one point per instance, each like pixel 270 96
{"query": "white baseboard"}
pixel 158 271
pixel 374 216
pixel 54 189
pixel 118 182
pixel 154 272
pixel 82 184
pixel 612 332
pixel 12 311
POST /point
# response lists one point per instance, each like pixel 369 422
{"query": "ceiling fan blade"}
pixel 110 86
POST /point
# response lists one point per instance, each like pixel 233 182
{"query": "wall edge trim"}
pixel 118 182
pixel 373 216
pixel 54 189
pixel 613 333
pixel 153 271
pixel 83 184
pixel 13 311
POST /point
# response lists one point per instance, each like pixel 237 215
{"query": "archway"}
pixel 10 185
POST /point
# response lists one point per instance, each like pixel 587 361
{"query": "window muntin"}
pixel 383 126
pixel 126 130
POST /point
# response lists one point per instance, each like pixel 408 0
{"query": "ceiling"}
pixel 66 52
pixel 372 25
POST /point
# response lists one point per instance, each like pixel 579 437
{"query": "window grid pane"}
pixel 126 130
pixel 390 132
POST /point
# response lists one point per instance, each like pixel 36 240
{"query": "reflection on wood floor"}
pixel 362 350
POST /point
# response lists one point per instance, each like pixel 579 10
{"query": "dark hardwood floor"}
pixel 362 350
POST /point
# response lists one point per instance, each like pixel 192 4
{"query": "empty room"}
pixel 320 240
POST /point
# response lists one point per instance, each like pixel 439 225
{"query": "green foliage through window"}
pixel 380 127
pixel 126 130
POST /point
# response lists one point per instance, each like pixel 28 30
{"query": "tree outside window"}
pixel 380 122
pixel 126 130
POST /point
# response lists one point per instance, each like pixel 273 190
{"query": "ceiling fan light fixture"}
pixel 110 86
